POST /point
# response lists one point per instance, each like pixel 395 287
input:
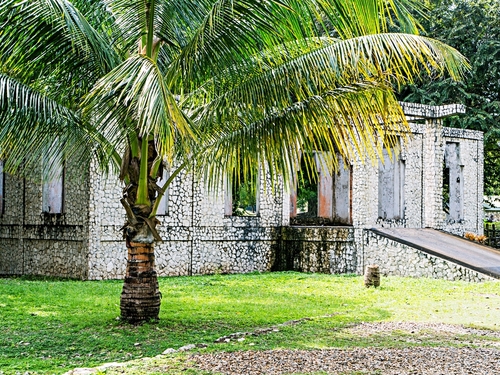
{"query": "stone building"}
pixel 71 227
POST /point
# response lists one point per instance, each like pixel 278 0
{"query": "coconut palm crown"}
pixel 139 85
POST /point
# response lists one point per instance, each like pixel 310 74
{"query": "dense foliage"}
pixel 473 27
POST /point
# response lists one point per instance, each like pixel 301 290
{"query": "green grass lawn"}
pixel 51 326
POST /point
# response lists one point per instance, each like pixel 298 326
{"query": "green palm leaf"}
pixel 309 91
pixel 55 36
pixel 31 123
pixel 353 120
pixel 266 81
pixel 234 30
pixel 134 98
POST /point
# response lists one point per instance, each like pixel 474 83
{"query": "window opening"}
pixel 342 201
pixel 53 196
pixel 307 192
pixel 391 181
pixel 452 182
pixel 446 188
pixel 322 196
pixel 242 194
pixel 163 208
pixel 53 190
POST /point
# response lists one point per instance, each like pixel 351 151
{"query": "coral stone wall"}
pixel 317 249
pixel 11 228
pixel 37 243
pixel 85 241
pixel 198 238
pixel 397 259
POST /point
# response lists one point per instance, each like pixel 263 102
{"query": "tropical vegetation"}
pixel 474 28
pixel 143 86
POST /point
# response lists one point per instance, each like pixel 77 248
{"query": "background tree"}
pixel 214 86
pixel 473 27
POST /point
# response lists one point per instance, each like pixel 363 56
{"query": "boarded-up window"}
pixel 53 190
pixel 163 205
pixel 2 187
pixel 228 197
pixel 325 187
pixel 342 193
pixel 321 193
pixel 453 182
pixel 391 181
pixel 334 191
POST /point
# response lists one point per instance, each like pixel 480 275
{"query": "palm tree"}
pixel 140 85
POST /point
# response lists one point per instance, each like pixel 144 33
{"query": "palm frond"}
pixel 355 120
pixel 131 21
pixel 234 30
pixel 265 85
pixel 355 18
pixel 30 125
pixel 55 36
pixel 176 21
pixel 134 98
pixel 336 98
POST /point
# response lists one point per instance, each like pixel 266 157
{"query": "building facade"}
pixel 70 227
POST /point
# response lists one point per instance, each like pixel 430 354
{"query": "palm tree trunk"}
pixel 141 297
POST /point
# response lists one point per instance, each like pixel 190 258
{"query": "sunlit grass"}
pixel 50 326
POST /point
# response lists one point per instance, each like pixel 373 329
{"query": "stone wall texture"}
pixel 85 241
pixel 197 237
pixel 316 249
pixel 397 259
pixel 37 243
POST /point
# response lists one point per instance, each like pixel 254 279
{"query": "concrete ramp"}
pixel 481 258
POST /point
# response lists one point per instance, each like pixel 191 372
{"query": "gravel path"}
pixel 478 355
pixel 367 329
pixel 422 361
pixel 414 360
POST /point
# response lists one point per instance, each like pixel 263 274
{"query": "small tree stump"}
pixel 372 276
